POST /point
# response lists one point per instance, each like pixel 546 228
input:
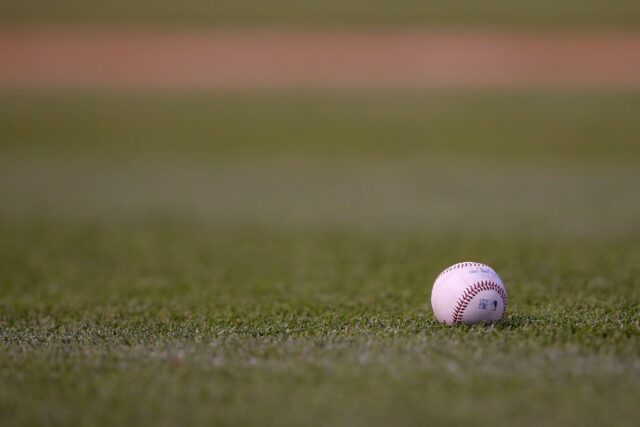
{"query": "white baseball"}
pixel 468 292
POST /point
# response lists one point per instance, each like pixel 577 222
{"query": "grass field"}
pixel 332 13
pixel 268 258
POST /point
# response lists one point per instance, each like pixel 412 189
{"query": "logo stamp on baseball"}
pixel 468 292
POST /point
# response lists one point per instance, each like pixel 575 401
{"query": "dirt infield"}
pixel 153 59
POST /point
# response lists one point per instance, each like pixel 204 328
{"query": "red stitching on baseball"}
pixel 463 265
pixel 471 292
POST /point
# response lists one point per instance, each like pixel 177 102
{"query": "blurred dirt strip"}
pixel 111 58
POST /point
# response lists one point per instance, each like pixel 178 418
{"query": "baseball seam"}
pixel 471 292
pixel 463 265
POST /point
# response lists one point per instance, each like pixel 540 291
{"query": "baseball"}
pixel 468 292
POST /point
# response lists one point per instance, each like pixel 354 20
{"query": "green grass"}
pixel 167 324
pixel 267 259
pixel 333 13
pixel 578 127
pixel 565 163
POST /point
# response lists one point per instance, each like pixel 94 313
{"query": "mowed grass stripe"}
pixel 541 162
pixel 333 13
pixel 577 126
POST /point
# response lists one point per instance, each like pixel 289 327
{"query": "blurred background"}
pixel 498 115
